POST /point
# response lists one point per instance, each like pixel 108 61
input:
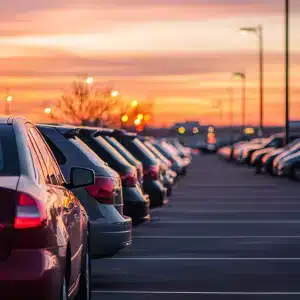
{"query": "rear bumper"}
pixel 157 193
pixel 283 171
pixel 108 238
pixel 31 274
pixel 136 205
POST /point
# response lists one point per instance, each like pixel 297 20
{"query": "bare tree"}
pixel 83 105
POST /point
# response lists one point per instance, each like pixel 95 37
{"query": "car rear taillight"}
pixel 102 190
pixel 129 179
pixel 151 172
pixel 29 213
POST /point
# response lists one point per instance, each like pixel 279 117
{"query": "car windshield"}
pixel 9 161
pixel 144 149
pixel 114 154
pixel 88 152
pixel 292 144
pixel 120 148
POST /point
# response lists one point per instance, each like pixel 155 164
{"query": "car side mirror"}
pixel 80 177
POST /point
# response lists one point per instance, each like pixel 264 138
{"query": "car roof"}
pixel 12 119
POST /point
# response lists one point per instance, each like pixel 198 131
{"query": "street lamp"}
pixel 115 93
pixel 287 73
pixel 230 95
pixel 134 103
pixel 242 76
pixel 47 110
pixel 9 99
pixel 259 32
pixel 89 80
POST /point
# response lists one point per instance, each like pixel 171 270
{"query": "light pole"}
pixel 287 74
pixel 8 100
pixel 230 94
pixel 259 32
pixel 242 76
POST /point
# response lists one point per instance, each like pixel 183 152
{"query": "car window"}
pixel 144 149
pixel 61 159
pixel 9 160
pixel 112 153
pixel 88 152
pixel 121 149
pixel 37 164
pixel 48 160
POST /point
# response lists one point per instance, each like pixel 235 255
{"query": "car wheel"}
pixel 257 169
pixel 84 292
pixel 64 290
pixel 295 173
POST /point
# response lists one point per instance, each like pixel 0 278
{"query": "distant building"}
pixel 294 124
pixel 188 125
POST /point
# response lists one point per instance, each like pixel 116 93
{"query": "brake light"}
pixel 129 180
pixel 29 213
pixel 102 190
pixel 151 172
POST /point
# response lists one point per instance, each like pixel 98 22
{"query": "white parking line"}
pixel 200 237
pixel 227 222
pixel 196 293
pixel 208 258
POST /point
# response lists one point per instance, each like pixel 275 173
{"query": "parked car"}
pixel 268 159
pixel 183 151
pixel 127 155
pixel 103 201
pixel 294 149
pixel 275 141
pixel 152 185
pixel 166 177
pixel 290 166
pixel 186 160
pixel 44 230
pixel 136 205
pixel 177 163
pixel 256 158
pixel 162 158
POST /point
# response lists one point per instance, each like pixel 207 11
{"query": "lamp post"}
pixel 287 65
pixel 259 32
pixel 242 76
pixel 230 94
pixel 8 100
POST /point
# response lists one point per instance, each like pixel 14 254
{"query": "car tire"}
pixel 295 173
pixel 257 169
pixel 84 292
pixel 64 290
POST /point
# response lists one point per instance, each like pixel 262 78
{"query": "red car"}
pixel 44 237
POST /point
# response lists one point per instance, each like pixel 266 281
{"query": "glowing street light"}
pixel 137 122
pixel 124 118
pixel 140 116
pixel 47 110
pixel 8 100
pixel 147 117
pixel 181 130
pixel 89 80
pixel 134 103
pixel 115 93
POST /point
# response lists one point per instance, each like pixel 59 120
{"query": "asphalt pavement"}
pixel 225 234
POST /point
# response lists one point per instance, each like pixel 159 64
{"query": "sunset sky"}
pixel 180 52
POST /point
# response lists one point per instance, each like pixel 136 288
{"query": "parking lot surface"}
pixel 225 234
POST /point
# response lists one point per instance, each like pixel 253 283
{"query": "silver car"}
pixel 110 230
